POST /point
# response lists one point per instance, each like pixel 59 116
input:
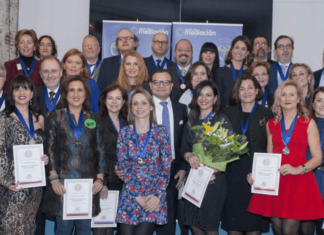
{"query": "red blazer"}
pixel 12 71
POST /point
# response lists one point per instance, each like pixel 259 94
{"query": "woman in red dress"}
pixel 299 198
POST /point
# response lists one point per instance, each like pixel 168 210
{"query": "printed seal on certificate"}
pixel 78 187
pixel 28 153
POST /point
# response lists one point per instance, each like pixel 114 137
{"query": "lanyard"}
pixel 77 130
pixel 180 74
pixel 161 66
pixel 120 59
pixel 95 66
pixel 192 90
pixel 120 124
pixel 31 130
pixel 286 137
pixel 245 126
pixel 23 66
pixel 51 106
pixel 147 137
pixel 264 99
pixel 234 73
pixel 206 118
pixel 283 77
pixel 2 99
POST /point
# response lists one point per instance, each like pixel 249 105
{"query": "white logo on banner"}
pixel 199 32
pixel 151 31
pixel 223 45
pixel 110 46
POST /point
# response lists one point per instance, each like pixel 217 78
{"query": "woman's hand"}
pixel 58 188
pixel 141 200
pixel 287 169
pixel 14 187
pixel 193 161
pixel 152 203
pixel 120 174
pixel 104 192
pixel 97 186
pixel 45 159
pixel 249 178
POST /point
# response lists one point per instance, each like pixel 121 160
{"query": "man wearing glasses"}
pixel 284 48
pixel 261 48
pixel 91 50
pixel 125 41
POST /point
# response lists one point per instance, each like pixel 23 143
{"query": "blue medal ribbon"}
pixel 192 90
pixel 245 126
pixel 2 99
pixel 120 59
pixel 283 77
pixel 206 118
pixel 180 74
pixel 50 106
pixel 286 137
pixel 161 66
pixel 23 66
pixel 147 137
pixel 264 99
pixel 120 123
pixel 31 130
pixel 234 73
pixel 77 130
pixel 95 66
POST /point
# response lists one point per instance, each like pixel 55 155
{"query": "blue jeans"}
pixel 65 227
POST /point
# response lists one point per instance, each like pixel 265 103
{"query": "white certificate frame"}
pixel 29 167
pixel 77 201
pixel 107 216
pixel 265 173
pixel 197 180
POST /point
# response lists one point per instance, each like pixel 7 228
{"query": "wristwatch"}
pixel 305 169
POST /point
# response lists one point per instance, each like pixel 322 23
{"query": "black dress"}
pixel 206 217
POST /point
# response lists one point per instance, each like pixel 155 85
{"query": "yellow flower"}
pixel 207 128
pixel 230 137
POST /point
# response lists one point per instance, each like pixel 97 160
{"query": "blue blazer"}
pixel 108 72
pixel 317 75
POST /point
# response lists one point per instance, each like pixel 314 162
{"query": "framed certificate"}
pixel 29 167
pixel 265 173
pixel 107 216
pixel 77 201
pixel 196 185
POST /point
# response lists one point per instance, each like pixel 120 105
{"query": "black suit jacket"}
pixel 109 71
pixel 271 61
pixel 150 65
pixel 317 75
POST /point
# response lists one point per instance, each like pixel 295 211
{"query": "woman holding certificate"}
pixel 290 133
pixel 144 156
pixel 249 119
pixel 204 109
pixel 72 146
pixel 20 124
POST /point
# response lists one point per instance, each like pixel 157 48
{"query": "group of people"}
pixel 126 121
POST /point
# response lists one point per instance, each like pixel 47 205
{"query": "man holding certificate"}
pixel 21 125
pixel 76 164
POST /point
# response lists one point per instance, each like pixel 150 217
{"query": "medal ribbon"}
pixel 147 137
pixel 77 130
pixel 120 124
pixel 120 59
pixel 264 99
pixel 245 126
pixel 161 66
pixel 23 66
pixel 206 118
pixel 286 138
pixel 283 77
pixel 31 130
pixel 192 90
pixel 50 106
pixel 180 74
pixel 2 99
pixel 234 73
pixel 95 66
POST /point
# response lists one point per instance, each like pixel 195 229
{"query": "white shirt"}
pixel 4 102
pixel 158 112
pixel 155 58
pixel 321 83
pixel 48 91
pixel 186 98
pixel 278 74
pixel 185 68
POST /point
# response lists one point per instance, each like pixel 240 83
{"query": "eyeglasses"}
pixel 128 38
pixel 158 82
pixel 258 44
pixel 288 47
pixel 163 43
pixel 48 72
pixel 91 45
pixel 183 50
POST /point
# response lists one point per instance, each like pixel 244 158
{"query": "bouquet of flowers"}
pixel 216 146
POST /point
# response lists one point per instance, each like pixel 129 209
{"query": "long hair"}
pixel 209 46
pixel 29 32
pixel 131 116
pixel 102 101
pixel 277 109
pixel 54 48
pixel 142 77
pixel 63 103
pixel 311 109
pixel 84 73
pixel 25 82
pixel 249 58
pixel 192 70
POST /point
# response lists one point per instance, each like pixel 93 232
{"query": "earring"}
pixel 31 102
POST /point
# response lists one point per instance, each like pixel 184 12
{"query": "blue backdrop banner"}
pixel 143 30
pixel 199 33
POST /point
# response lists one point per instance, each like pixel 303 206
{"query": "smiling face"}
pixel 161 90
pixel 73 65
pixel 206 99
pixel 300 75
pixel 208 57
pixel 131 67
pixel 45 47
pixel 183 53
pixel 141 107
pixel 318 105
pixel 289 98
pixel 22 96
pixel 26 45
pixel 199 75
pixel 51 73
pixel 76 94
pixel 247 92
pixel 261 74
pixel 239 51
pixel 90 48
pixel 114 101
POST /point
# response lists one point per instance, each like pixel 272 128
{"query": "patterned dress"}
pixel 150 179
pixel 17 209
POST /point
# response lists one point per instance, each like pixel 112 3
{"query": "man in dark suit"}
pixel 91 50
pixel 261 48
pixel 284 48
pixel 126 41
pixel 161 87
pixel 48 96
pixel 160 45
pixel 319 80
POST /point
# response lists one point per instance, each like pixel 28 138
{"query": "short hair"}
pixel 4 69
pixel 258 64
pixel 23 81
pixel 131 116
pixel 194 104
pixel 260 36
pixel 277 109
pixel 281 37
pixel 175 48
pixel 50 57
pixel 91 36
pixel 234 98
pixel 309 71
pixel 135 37
pixel 162 71
pixel 22 32
pixel 192 70
pixel 249 58
pixel 72 52
pixel 63 103
pixel 142 76
pixel 209 46
pixel 311 108
pixel 102 101
pixel 54 48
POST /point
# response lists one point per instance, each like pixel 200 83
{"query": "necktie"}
pixel 158 64
pixel 183 72
pixel 284 69
pixel 165 117
pixel 52 94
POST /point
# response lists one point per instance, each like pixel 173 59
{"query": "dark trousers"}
pixel 40 217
